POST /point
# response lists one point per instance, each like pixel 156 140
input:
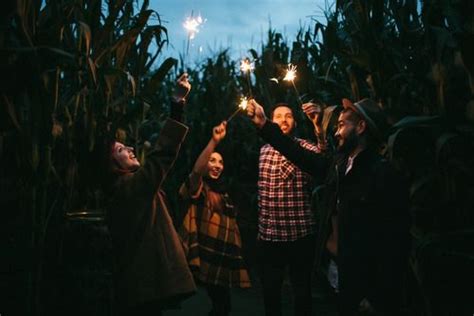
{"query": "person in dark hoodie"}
pixel 151 271
pixel 368 203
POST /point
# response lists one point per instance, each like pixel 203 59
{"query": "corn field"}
pixel 77 71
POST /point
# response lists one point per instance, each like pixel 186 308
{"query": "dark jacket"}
pixel 370 204
pixel 151 265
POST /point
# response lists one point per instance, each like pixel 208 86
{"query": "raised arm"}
pixel 200 166
pixel 178 100
pixel 313 113
pixel 161 157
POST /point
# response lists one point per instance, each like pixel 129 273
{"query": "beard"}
pixel 348 144
pixel 285 128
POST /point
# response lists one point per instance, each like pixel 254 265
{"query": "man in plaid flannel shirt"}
pixel 286 224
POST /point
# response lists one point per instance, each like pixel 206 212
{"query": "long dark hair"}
pixel 215 189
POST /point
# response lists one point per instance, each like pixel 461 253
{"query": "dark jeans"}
pixel 274 257
pixel 220 298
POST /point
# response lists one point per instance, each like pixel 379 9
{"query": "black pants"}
pixel 274 257
pixel 220 298
pixel 380 279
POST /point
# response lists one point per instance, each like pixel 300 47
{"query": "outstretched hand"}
pixel 256 113
pixel 219 131
pixel 313 112
pixel 182 88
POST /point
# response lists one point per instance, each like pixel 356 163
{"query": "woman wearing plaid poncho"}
pixel 209 231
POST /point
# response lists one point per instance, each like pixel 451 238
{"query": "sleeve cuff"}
pixel 177 109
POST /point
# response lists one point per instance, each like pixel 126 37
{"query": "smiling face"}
pixel 349 128
pixel 283 116
pixel 215 166
pixel 125 157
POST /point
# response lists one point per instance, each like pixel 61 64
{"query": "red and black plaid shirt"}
pixel 284 197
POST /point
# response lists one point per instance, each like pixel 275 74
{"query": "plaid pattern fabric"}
pixel 284 197
pixel 212 242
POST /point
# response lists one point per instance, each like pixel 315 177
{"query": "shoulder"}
pixel 267 148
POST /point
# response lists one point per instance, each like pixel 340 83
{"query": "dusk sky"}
pixel 235 24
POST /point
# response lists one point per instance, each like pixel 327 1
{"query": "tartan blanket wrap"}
pixel 213 244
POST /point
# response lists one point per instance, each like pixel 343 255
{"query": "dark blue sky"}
pixel 238 24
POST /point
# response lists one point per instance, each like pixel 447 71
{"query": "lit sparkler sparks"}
pixel 290 73
pixel 243 104
pixel 242 107
pixel 192 26
pixel 291 76
pixel 246 66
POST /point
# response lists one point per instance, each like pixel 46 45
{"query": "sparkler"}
pixel 246 66
pixel 191 25
pixel 242 106
pixel 291 76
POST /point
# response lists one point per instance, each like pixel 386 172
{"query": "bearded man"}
pixel 370 213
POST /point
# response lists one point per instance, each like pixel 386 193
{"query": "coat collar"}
pixel 362 160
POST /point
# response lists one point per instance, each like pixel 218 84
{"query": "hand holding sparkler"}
pixel 179 97
pixel 242 106
pixel 256 113
pixel 313 112
pixel 219 132
pixel 183 87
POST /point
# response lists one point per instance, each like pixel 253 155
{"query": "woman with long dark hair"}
pixel 210 230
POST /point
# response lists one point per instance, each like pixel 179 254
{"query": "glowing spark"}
pixel 291 76
pixel 290 73
pixel 192 26
pixel 274 80
pixel 246 65
pixel 242 106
